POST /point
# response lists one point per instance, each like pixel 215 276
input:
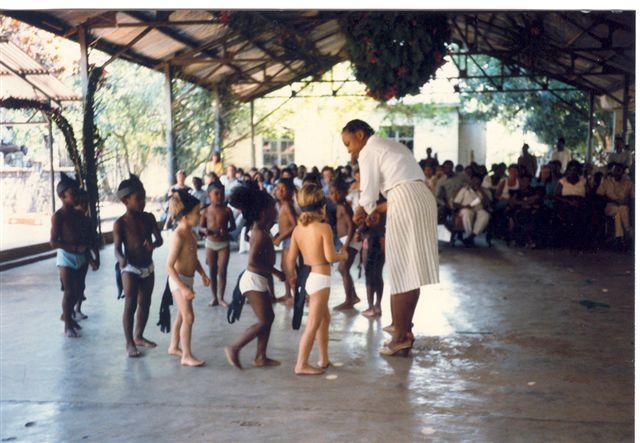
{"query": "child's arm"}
pixel 330 252
pixel 157 242
pixel 231 224
pixel 350 229
pixel 203 223
pixel 117 244
pixel 294 250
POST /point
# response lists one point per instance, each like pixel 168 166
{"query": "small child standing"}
pixel 314 239
pixel 182 264
pixel 216 223
pixel 345 232
pixel 284 192
pixel 133 246
pixel 259 212
pixel 93 254
pixel 67 238
pixel 374 263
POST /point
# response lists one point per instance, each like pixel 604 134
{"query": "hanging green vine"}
pixel 61 122
pixel 395 53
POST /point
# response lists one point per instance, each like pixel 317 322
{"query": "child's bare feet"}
pixel 81 315
pixel 214 302
pixel 132 351
pixel 377 310
pixel 355 300
pixel 390 329
pixel 324 365
pixel 71 333
pixel 75 325
pixel 233 357
pixel 308 370
pixel 369 313
pixel 191 361
pixel 346 306
pixel 144 343
pixel 262 362
pixel 175 351
pixel 224 303
pixel 288 299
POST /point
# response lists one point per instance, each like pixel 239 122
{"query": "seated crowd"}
pixel 562 203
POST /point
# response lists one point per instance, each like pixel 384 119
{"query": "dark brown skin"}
pixel 66 234
pixel 216 222
pixel 345 226
pixel 262 258
pixel 134 231
pixel 132 237
pixel 286 224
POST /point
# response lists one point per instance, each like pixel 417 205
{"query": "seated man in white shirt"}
pixel 472 200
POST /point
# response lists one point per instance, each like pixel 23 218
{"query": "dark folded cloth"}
pixel 164 320
pixel 119 281
pixel 300 295
pixel 237 303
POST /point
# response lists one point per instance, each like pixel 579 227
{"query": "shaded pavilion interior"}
pixel 266 50
pixel 491 364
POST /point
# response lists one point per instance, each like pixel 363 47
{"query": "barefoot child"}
pixel 182 264
pixel 216 222
pixel 67 238
pixel 93 254
pixel 286 224
pixel 346 232
pixel 374 263
pixel 259 212
pixel 133 246
pixel 314 239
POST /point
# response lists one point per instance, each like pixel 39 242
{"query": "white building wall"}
pixel 472 142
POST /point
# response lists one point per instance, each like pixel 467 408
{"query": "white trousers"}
pixel 474 220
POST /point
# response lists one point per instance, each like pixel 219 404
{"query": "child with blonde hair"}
pixel 313 238
pixel 182 265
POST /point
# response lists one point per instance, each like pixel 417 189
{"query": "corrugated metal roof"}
pixel 591 51
pixel 23 77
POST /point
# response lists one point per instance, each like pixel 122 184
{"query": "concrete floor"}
pixel 504 352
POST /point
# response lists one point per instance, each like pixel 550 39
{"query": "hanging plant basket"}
pixel 395 53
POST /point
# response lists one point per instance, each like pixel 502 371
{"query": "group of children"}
pixel 306 234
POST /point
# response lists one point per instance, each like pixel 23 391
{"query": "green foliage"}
pixel 395 53
pixel 547 115
pixel 131 118
pixel 417 111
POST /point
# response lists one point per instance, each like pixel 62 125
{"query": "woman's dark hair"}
pixel 251 202
pixel 358 125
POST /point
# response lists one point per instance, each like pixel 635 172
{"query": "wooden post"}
pixel 51 169
pixel 170 133
pixel 217 124
pixel 84 61
pixel 253 138
pixel 625 108
pixel 590 133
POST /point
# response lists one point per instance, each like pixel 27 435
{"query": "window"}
pixel 402 134
pixel 279 152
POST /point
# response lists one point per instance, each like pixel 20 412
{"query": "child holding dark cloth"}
pixel 182 264
pixel 284 192
pixel 259 212
pixel 216 222
pixel 93 254
pixel 373 250
pixel 133 246
pixel 72 246
pixel 345 232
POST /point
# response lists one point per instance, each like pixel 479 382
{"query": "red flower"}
pixel 373 60
pixel 402 71
pixel 224 17
pixel 391 92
